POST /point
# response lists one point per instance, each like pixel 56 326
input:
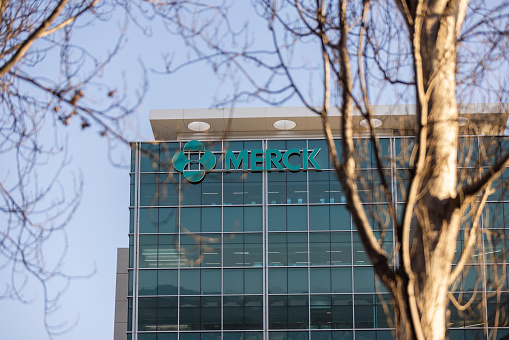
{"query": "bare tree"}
pixel 49 79
pixel 356 53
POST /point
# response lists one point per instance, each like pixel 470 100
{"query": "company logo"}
pixel 194 169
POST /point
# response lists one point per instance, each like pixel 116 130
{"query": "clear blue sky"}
pixel 100 225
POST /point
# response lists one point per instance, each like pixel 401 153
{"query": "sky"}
pixel 101 223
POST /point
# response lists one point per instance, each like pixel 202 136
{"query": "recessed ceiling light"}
pixel 462 121
pixel 374 122
pixel 285 124
pixel 198 126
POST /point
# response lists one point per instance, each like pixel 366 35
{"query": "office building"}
pixel 246 234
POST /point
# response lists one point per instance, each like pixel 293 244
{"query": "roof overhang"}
pixel 259 122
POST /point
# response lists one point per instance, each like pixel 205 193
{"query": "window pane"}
pixel 340 217
pixel 297 218
pixel 210 281
pixel 278 281
pixel 319 217
pixel 168 220
pixel 167 282
pixel 277 218
pixel 253 281
pixel 342 311
pixel 341 280
pixel 233 219
pixel 190 282
pixel 233 281
pixel 297 280
pixel 320 280
pixel 211 219
pixel 253 219
pixel 147 282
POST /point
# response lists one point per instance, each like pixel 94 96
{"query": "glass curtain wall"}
pixel 273 254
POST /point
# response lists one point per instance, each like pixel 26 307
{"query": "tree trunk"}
pixel 435 225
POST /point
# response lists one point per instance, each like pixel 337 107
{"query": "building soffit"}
pixel 258 122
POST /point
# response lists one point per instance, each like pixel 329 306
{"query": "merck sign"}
pixel 248 160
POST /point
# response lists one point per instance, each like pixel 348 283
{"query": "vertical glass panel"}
pixel 233 219
pixel 188 336
pixel 320 280
pixel 359 254
pixel 233 250
pixel 190 282
pixel 233 281
pixel 167 310
pixel 190 219
pixel 297 249
pixel 341 250
pixel 210 281
pixel 278 312
pixel 189 313
pixel 147 282
pixel 277 187
pixel 297 218
pixel 277 251
pixel 364 311
pixel 364 279
pixel 383 320
pixel 130 283
pixel 339 217
pixel 233 187
pixel 211 313
pixel 211 219
pixel 277 218
pixel 319 217
pixel 167 282
pixel 253 249
pixel 253 188
pixel 321 312
pixel 253 281
pixel 297 280
pixel 253 219
pixel 319 191
pixel 319 248
pixel 233 316
pixel 278 281
pixel 341 280
pixel 148 189
pixel 131 220
pixel 149 220
pixel 147 314
pixel 168 255
pixel 365 335
pixel 253 312
pixel 149 160
pixel 191 192
pixel 336 193
pixel 211 187
pixel 148 251
pixel 321 335
pixel 168 220
pixel 298 311
pixel 342 311
pixel 168 188
pixel 296 191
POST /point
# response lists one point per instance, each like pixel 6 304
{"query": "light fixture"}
pixel 285 124
pixel 198 126
pixel 374 122
pixel 462 121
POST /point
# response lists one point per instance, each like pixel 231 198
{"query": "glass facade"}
pixel 273 254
